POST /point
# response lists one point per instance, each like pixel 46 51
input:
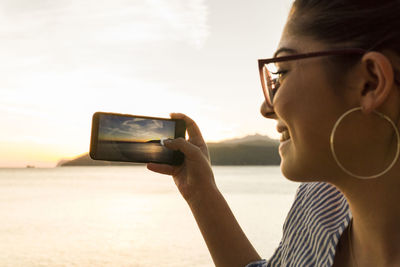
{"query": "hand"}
pixel 195 175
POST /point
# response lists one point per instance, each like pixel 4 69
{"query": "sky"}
pixel 116 128
pixel 63 60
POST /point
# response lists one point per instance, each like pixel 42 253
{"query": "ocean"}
pixel 128 216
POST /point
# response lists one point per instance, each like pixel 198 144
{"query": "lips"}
pixel 284 132
pixel 285 136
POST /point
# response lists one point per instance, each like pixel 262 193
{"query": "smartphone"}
pixel 130 138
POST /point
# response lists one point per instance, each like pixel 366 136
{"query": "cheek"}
pixel 310 122
pixel 312 129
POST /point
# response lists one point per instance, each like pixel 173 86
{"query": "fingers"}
pixel 193 130
pixel 161 168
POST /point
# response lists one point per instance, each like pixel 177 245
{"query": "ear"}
pixel 378 80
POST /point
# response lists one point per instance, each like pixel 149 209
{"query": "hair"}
pixel 368 24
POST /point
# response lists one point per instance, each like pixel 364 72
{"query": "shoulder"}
pixel 318 194
pixel 313 226
pixel 314 201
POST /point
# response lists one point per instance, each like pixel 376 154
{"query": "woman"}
pixel 334 89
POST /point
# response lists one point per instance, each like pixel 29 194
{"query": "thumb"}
pixel 190 151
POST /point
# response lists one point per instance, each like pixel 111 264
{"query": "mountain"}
pixel 256 139
pixel 249 150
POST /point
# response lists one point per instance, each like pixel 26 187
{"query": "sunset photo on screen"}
pixel 134 139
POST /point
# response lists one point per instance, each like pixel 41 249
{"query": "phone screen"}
pixel 119 137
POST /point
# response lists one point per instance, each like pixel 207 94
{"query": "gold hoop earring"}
pixel 333 148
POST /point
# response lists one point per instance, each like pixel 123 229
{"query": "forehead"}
pixel 298 43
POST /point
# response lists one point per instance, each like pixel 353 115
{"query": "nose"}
pixel 267 111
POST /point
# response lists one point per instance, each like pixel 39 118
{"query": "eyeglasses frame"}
pixel 262 62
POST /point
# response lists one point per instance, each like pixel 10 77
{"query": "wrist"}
pixel 203 196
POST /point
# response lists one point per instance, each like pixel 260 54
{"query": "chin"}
pixel 296 173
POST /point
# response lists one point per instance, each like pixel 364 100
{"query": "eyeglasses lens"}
pixel 270 82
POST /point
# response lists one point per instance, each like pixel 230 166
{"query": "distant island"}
pixel 250 150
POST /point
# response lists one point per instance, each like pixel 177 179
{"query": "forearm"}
pixel 225 239
pixel 227 243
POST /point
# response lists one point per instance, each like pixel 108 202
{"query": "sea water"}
pixel 127 216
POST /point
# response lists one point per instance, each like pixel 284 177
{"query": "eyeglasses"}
pixel 270 75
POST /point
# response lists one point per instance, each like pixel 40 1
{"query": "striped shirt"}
pixel 311 232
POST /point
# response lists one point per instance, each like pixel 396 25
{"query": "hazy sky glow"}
pixel 63 60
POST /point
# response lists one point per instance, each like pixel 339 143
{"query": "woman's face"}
pixel 306 106
pixel 314 93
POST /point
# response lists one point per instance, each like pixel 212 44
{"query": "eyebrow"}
pixel 285 49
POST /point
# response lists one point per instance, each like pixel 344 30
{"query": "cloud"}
pixel 139 119
pixel 114 128
pixel 186 18
pixel 155 125
pixel 142 127
pixel 89 42
pixel 110 22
